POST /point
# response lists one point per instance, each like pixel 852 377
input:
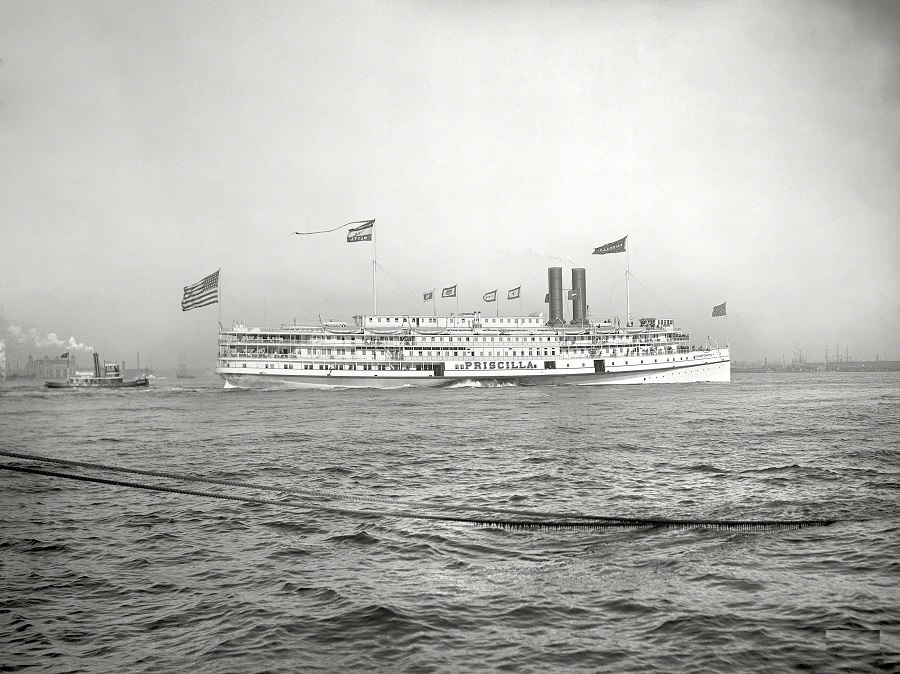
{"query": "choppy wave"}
pixel 99 577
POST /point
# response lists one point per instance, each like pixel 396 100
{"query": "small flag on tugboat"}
pixel 449 292
pixel 612 247
pixel 361 233
pixel 514 293
pixel 490 297
pixel 427 297
pixel 64 356
pixel 719 310
pixel 202 293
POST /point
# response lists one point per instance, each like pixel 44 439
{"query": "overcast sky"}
pixel 749 150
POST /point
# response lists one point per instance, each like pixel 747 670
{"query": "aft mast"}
pixel 374 269
pixel 627 288
pixel 620 246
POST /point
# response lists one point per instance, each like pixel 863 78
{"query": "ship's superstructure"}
pixel 398 350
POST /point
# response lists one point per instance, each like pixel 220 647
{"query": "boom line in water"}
pixel 546 520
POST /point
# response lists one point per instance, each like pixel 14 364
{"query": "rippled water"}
pixel 100 577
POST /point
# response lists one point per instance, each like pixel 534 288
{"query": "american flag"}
pixel 719 310
pixel 202 293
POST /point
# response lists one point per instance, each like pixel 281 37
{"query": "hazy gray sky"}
pixel 750 151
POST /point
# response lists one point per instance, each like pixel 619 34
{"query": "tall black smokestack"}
pixel 554 280
pixel 579 297
pixel 96 364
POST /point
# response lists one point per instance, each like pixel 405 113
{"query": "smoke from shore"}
pixel 38 339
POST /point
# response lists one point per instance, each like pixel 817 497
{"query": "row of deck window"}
pixel 606 339
pixel 342 366
pixel 428 354
pixel 581 349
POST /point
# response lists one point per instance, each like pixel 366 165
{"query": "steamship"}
pixel 395 350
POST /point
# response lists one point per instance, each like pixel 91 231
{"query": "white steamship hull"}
pixel 712 366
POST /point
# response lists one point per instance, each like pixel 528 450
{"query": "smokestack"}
pixel 579 297
pixel 554 280
pixel 96 364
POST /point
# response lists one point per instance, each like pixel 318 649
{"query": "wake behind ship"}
pixel 402 350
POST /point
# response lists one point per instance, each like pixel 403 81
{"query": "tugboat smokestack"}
pixel 96 364
pixel 554 280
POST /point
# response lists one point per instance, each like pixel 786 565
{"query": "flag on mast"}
pixel 202 293
pixel 361 233
pixel 365 224
pixel 514 293
pixel 449 292
pixel 490 297
pixel 719 310
pixel 612 247
pixel 427 297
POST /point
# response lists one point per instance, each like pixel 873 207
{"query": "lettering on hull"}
pixel 495 365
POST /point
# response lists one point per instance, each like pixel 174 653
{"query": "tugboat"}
pixel 109 377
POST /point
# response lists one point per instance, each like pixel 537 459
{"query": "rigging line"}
pixel 411 296
pixel 234 301
pixel 515 524
pixel 327 231
pixel 671 311
pixel 398 502
pixel 612 290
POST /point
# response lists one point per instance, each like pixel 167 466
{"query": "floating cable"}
pixel 315 493
pixel 320 493
pixel 521 524
pixel 547 520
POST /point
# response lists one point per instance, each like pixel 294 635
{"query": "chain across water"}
pixel 550 520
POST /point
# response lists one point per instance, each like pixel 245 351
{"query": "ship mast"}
pixel 627 290
pixel 374 269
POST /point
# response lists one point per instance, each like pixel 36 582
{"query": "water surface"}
pixel 100 577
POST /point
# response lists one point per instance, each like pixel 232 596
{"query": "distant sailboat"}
pixel 182 371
